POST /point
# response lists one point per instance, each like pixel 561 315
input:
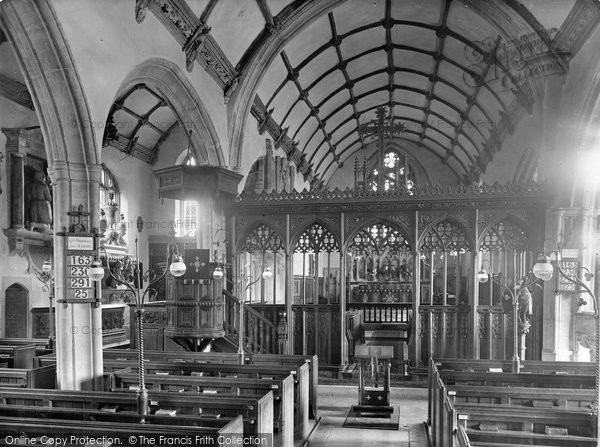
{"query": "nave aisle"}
pixel 335 402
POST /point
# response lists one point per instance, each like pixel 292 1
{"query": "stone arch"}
pixel 35 34
pixel 171 83
pixel 33 31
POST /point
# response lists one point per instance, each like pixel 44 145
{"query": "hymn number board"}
pixel 80 255
pixel 571 269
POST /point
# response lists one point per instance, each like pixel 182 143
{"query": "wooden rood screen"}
pixel 468 408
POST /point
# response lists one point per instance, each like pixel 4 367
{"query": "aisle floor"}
pixel 334 403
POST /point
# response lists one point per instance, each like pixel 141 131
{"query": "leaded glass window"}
pixel 396 172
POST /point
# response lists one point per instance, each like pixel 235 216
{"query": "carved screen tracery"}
pixel 316 239
pixel 504 236
pixel 380 266
pixel 503 252
pixel 445 265
pixel 263 248
pixel 445 236
pixel 316 267
pixel 379 238
pixel 262 239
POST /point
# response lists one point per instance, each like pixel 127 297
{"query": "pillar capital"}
pixel 61 171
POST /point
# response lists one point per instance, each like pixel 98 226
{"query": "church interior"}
pixel 322 221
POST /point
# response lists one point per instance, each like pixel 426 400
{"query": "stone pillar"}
pixel 78 325
pixel 551 317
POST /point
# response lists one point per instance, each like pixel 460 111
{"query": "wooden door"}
pixel 16 303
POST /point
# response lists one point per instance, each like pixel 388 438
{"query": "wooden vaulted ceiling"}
pixel 419 61
pixel 446 69
pixel 138 122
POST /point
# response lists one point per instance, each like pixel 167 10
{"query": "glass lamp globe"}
pixel 267 273
pixel 543 269
pixel 96 271
pixel 177 267
pixel 218 273
pixel 482 276
pixel 46 267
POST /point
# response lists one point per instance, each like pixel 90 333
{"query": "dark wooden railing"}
pixel 384 312
pixel 261 336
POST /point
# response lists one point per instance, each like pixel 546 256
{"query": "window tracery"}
pixel 396 172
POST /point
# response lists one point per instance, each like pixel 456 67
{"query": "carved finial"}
pixel 141 8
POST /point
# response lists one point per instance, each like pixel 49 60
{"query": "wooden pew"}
pixel 42 377
pixel 513 379
pixel 41 344
pixel 66 429
pixel 522 396
pixel 17 355
pixel 232 358
pixel 509 438
pixel 534 420
pixel 257 412
pixel 223 370
pixel 528 366
pixel 283 389
pixel 444 414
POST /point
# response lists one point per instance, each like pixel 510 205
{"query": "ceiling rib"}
pixel 293 76
pixel 442 32
pixel 16 92
pixel 129 145
pixel 266 13
pixel 436 55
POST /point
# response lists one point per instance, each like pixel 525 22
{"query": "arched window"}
pixel 396 172
pixel 109 190
pixel 186 212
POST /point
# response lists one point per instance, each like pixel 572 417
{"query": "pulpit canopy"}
pixel 184 182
